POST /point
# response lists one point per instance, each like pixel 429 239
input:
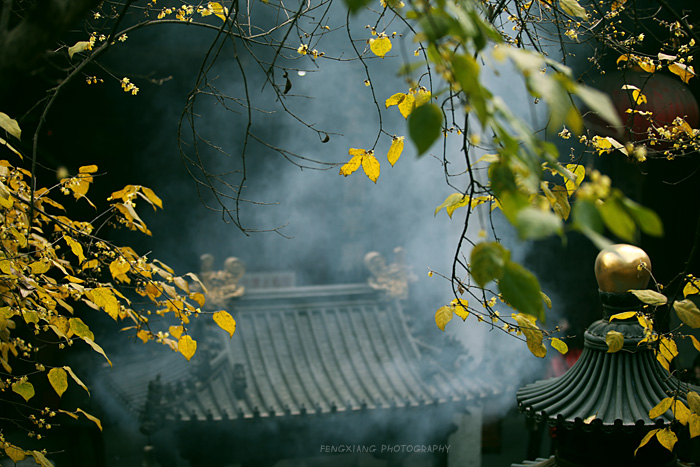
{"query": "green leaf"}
pixel 487 262
pixel 59 380
pixel 24 389
pixel 648 221
pixel 617 219
pixel 599 103
pixel 425 126
pixel 687 312
pixel 356 5
pixel 520 288
pixel 650 297
pixel 615 341
pixel 535 224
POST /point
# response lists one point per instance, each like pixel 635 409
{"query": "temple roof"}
pixel 301 350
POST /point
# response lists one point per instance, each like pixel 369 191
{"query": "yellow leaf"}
pixel 615 341
pixel 199 298
pixel 696 344
pixel 75 247
pixel 646 64
pixel 625 315
pixel 443 316
pixel 77 380
pixel 187 346
pixel 638 97
pixel 15 453
pixel 380 46
pixel 685 72
pixel 396 99
pixel 460 308
pixel 97 349
pixel 151 196
pixel 176 331
pixel 560 345
pixel 532 333
pixel 694 425
pixel 351 166
pixel 667 346
pixel 41 460
pixel 452 202
pixel 59 380
pixel 219 10
pixel 396 149
pixel 588 420
pixel 143 335
pixel 225 322
pixel 118 267
pixel 87 169
pixel 694 401
pixel 646 439
pixel 10 125
pixel 579 173
pixel 650 297
pixel 667 438
pixel 662 360
pixel 407 105
pixel 78 47
pixel 661 408
pixel 24 389
pixel 371 166
pixel 687 312
pixel 422 96
pixel 692 287
pixel 40 267
pixel 11 148
pixel 681 412
pixel 182 283
pixel 573 8
pixel 91 417
pixel 105 299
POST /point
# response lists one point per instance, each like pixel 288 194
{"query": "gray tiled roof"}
pixel 304 350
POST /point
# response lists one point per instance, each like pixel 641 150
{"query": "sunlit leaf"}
pixel 75 247
pixel 219 10
pixel 667 438
pixel 92 418
pixel 646 439
pixel 58 379
pixel 687 312
pixel 152 197
pixel 187 346
pixel 77 380
pixel 24 389
pixel 443 316
pixel 696 344
pixel 380 46
pixel 225 322
pixel 685 72
pixel 396 149
pixel 650 297
pixel 10 125
pixel 681 412
pixel 97 349
pixel 460 308
pixel 105 299
pixel 452 202
pixel 41 460
pixel 624 315
pixel 78 47
pixel 572 8
pixel 661 408
pixel 396 99
pixel 407 105
pixel 615 341
pixel 371 166
pixel 532 333
pixel 560 345
pixel 694 425
pixel 15 453
pixel 351 166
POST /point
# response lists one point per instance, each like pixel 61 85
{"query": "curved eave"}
pixel 618 389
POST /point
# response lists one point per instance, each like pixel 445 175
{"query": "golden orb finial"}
pixel 619 268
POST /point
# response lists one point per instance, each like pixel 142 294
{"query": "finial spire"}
pixel 621 267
